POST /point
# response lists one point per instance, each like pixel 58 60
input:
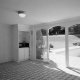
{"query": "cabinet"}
pixel 26 51
pixel 20 49
pixel 23 54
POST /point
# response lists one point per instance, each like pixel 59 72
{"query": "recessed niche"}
pixel 24 36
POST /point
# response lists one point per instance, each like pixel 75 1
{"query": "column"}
pixel 48 44
pixel 66 47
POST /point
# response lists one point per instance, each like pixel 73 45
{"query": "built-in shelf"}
pixel 20 44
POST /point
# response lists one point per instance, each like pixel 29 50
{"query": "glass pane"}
pixel 41 44
pixel 74 46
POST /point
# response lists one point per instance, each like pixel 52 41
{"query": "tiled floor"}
pixel 33 70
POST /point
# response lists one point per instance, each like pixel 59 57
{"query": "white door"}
pixel 26 56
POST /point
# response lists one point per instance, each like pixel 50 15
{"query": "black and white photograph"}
pixel 39 39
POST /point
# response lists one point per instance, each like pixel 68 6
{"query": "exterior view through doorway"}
pixel 74 47
pixel 57 45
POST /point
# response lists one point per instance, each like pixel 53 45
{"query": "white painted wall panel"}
pixel 5 43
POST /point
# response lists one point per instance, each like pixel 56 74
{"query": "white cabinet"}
pixel 23 54
pixel 26 50
pixel 23 27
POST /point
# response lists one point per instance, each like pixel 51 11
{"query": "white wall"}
pixel 66 23
pixel 22 27
pixel 5 43
pixel 15 44
pixel 24 35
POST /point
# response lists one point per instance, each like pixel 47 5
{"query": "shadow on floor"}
pixel 74 69
pixel 49 64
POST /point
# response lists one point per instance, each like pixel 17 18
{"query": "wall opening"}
pixel 57 45
pixel 74 46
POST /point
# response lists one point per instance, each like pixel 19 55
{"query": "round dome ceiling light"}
pixel 21 14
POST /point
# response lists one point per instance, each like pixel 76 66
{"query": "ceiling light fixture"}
pixel 21 14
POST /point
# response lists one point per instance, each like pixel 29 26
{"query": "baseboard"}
pixel 5 61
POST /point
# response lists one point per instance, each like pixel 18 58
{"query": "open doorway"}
pixel 74 46
pixel 57 45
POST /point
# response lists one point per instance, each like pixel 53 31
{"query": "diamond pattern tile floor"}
pixel 33 70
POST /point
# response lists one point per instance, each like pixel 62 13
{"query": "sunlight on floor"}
pixel 60 61
pixel 51 68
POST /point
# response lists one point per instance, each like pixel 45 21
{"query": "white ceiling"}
pixel 38 11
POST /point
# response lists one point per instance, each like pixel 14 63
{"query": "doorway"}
pixel 74 46
pixel 57 45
